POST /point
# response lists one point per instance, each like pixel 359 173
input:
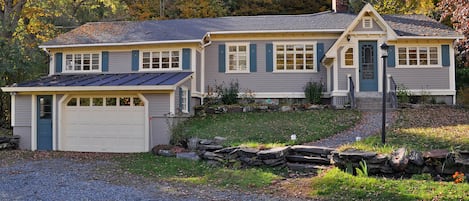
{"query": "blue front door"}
pixel 44 122
pixel 368 66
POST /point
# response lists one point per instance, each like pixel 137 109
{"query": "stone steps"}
pixel 371 104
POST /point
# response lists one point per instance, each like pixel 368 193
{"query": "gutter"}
pixel 121 44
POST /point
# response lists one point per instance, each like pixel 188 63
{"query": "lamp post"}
pixel 384 48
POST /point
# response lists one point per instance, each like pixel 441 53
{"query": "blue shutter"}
pixel 253 57
pixel 269 57
pixel 135 60
pixel 320 55
pixel 391 56
pixel 180 98
pixel 221 58
pixel 445 60
pixel 189 101
pixel 58 62
pixel 186 58
pixel 105 61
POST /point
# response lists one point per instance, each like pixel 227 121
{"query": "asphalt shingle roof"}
pixel 124 79
pixel 195 29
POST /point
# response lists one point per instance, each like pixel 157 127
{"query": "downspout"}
pixel 49 60
pixel 202 67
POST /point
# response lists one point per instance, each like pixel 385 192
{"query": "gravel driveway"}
pixel 66 178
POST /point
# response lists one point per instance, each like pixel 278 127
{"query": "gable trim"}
pixel 122 44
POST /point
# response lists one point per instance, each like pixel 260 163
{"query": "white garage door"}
pixel 103 124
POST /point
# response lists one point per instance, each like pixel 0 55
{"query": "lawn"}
pixel 432 127
pixel 267 127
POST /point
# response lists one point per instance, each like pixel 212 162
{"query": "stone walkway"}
pixel 369 124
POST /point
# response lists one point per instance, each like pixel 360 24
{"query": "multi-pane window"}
pixel 294 57
pixel 105 101
pixel 184 100
pixel 82 62
pixel 237 57
pixel 161 60
pixel 348 57
pixel 418 56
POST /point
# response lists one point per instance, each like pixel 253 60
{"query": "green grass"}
pixel 197 172
pixel 423 129
pixel 267 128
pixel 337 185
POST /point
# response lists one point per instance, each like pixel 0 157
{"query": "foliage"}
pixel 337 185
pixel 425 7
pixel 228 95
pixel 363 170
pixel 463 96
pixel 313 92
pixel 403 94
pixel 462 77
pixel 442 127
pixel 457 11
pixel 198 172
pixel 265 128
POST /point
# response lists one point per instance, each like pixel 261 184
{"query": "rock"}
pixel 4 140
pixel 386 169
pixel 209 147
pixel 436 154
pixel 188 155
pixel 273 153
pixel 167 153
pixel 226 150
pixel 248 109
pixel 413 169
pixel 247 152
pixel 285 108
pixel 308 159
pixel 251 161
pixel 212 156
pixel 305 167
pixel 205 142
pixel 378 159
pixel 399 160
pixel 312 149
pixel 416 158
pixel 192 143
pixel 314 107
pixel 274 162
pixel 4 145
pixel 219 140
pixel 356 155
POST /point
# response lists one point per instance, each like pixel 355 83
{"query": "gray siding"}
pixel 120 62
pixel 158 106
pixel 23 110
pixel 376 27
pixel 421 78
pixel 25 136
pixel 343 77
pixel 260 81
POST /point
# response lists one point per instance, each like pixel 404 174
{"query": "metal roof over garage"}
pixel 103 81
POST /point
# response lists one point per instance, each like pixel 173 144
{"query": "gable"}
pixel 368 24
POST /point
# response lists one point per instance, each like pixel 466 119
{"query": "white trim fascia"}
pixel 279 94
pixel 122 44
pixel 59 125
pixel 89 88
pixel 452 69
pixel 194 69
pixel 172 103
pixel 432 37
pixel 146 123
pixel 33 122
pixel 336 74
pixel 13 110
pixel 339 93
pixel 279 31
pixel 328 78
pixel 433 92
pixel 202 74
pixel 54 122
pixel 181 82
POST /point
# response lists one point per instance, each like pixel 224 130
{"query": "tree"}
pixel 425 7
pixel 457 12
pixel 200 8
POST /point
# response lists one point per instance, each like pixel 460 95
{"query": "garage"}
pixel 103 124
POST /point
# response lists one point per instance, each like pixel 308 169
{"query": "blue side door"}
pixel 368 65
pixel 44 122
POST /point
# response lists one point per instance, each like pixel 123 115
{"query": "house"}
pixel 115 86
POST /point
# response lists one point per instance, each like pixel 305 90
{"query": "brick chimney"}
pixel 340 6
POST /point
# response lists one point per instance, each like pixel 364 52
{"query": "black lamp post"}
pixel 384 48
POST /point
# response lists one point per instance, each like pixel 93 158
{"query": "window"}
pixel 295 57
pixel 184 100
pixel 161 60
pixel 124 101
pixel 82 62
pixel 367 23
pixel 348 57
pixel 419 56
pixel 237 58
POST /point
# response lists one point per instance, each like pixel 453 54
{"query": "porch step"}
pixel 371 104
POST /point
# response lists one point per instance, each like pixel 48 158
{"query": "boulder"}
pixel 305 167
pixel 308 159
pixel 209 147
pixel 188 155
pixel 274 153
pixel 378 159
pixel 356 155
pixel 226 150
pixel 251 161
pixel 435 154
pixel 212 156
pixel 399 160
pixel 165 152
pixel 305 149
pixel 205 142
pixel 416 158
pixel 247 152
pixel 274 162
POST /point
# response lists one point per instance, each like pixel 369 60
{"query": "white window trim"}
pixel 64 62
pixel 315 67
pixel 104 101
pixel 438 49
pixel 140 58
pixel 227 58
pixel 355 57
pixel 364 22
pixel 185 91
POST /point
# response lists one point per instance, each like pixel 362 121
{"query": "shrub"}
pixel 313 92
pixel 228 94
pixel 462 77
pixel 463 96
pixel 403 94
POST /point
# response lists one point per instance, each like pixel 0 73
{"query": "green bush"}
pixel 403 94
pixel 313 92
pixel 228 94
pixel 462 77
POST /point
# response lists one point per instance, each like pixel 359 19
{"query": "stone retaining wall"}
pixel 301 158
